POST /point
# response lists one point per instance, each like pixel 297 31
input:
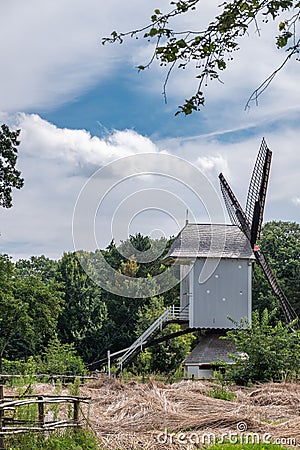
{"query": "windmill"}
pixel 250 220
pixel 223 299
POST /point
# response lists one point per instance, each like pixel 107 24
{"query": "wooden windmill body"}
pixel 219 295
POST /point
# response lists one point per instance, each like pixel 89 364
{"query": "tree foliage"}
pixel 60 359
pixel 212 48
pixel 265 352
pixel 81 320
pixel 29 311
pixel 10 177
pixel 165 357
pixel 280 242
pixel 53 307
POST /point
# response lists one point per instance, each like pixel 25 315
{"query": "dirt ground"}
pixel 183 415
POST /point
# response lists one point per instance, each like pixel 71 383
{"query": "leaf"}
pixel 282 26
pixel 153 32
pixel 282 40
pixel 221 64
pixel 181 43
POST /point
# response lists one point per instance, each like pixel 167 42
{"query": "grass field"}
pixel 186 415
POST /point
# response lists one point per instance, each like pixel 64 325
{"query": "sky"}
pixel 103 156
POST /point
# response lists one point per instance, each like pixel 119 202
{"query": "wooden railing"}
pixel 45 416
pixel 170 314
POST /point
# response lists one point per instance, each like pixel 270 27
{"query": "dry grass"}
pixel 133 415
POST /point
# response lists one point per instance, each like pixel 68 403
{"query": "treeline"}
pixel 53 311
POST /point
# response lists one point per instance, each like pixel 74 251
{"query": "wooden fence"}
pixel 46 377
pixel 46 413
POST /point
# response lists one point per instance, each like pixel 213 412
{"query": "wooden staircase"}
pixel 172 314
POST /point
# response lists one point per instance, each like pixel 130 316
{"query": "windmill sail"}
pixel 234 209
pixel 238 217
pixel 257 191
pixel 288 310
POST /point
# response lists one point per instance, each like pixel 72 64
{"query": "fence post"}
pixel 108 363
pixel 41 411
pixel 76 411
pixel 2 439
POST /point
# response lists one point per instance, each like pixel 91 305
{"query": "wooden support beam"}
pixel 41 408
pixel 2 439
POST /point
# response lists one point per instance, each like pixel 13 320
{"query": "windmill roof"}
pixel 209 241
pixel 210 349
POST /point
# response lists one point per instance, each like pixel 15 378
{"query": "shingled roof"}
pixel 211 349
pixel 209 241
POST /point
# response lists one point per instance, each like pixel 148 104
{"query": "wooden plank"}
pixel 41 408
pixel 2 439
pixel 24 426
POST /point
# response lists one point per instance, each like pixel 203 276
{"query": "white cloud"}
pixel 215 164
pixel 78 146
pixel 55 164
pixel 51 51
pixel 296 201
pixel 236 161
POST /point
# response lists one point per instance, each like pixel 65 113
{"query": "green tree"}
pixel 119 328
pixel 280 242
pixel 12 312
pixel 43 303
pixel 29 311
pixel 265 352
pixel 42 266
pixel 212 48
pixel 84 311
pixel 10 177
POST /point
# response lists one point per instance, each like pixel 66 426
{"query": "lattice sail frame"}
pixel 257 191
pixel 255 207
pixel 234 209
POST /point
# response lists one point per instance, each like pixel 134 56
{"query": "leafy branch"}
pixel 211 49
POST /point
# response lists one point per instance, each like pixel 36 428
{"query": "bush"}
pixel 265 352
pixel 221 388
pixel 61 359
pixel 19 367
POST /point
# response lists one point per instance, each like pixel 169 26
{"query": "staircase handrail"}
pixel 141 339
pixel 170 313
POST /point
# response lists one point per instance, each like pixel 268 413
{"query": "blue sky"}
pixel 82 105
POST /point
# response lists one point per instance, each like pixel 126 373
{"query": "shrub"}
pixel 19 367
pixel 61 359
pixel 265 352
pixel 221 388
